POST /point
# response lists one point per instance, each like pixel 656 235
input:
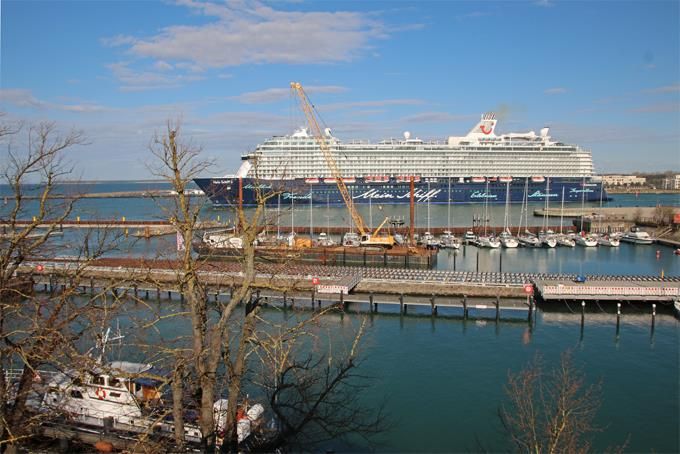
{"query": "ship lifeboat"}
pixel 505 179
pixel 349 180
pixel 537 179
pixel 478 179
pixel 368 179
pixel 329 180
pixel 311 180
pixel 407 179
pixel 493 179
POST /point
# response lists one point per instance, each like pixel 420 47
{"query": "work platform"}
pixel 618 288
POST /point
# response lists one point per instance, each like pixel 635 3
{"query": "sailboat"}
pixel 545 236
pixel 526 238
pixel 505 237
pixel 605 240
pixel 447 239
pixel 351 238
pixel 428 239
pixel 562 239
pixel 485 240
pixel 584 239
pixel 324 239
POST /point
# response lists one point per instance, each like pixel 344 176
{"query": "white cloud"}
pixel 162 65
pixel 555 91
pixel 434 117
pixel 20 98
pixel 23 98
pixel 377 103
pixel 249 32
pixel 544 3
pixel 664 107
pixel 277 94
pixel 665 89
pixel 139 80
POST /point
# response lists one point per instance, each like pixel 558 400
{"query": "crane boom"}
pixel 308 110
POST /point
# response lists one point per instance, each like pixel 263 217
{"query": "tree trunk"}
pixel 177 404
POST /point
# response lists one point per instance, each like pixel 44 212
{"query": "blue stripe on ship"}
pixel 225 191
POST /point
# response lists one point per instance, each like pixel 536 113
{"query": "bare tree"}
pixel 550 412
pixel 35 329
pixel 227 344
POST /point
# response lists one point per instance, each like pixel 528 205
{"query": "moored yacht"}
pixel 637 236
pixel 585 240
pixel 449 240
pixel 507 240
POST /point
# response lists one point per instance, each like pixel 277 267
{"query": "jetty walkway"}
pixel 344 284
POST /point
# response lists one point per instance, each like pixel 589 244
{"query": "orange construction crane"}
pixel 367 238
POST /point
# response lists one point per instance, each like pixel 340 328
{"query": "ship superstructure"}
pixel 479 165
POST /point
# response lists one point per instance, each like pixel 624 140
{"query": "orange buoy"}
pixel 103 446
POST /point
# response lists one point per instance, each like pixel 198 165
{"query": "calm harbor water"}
pixel 443 377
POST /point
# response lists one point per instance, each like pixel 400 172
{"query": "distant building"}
pixel 623 180
pixel 675 182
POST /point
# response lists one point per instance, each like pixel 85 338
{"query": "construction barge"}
pixel 395 257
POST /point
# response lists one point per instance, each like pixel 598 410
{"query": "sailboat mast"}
pixel 311 211
pixel 278 216
pixel 562 211
pixel 428 207
pixel 448 214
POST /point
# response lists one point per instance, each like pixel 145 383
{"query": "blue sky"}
pixel 602 74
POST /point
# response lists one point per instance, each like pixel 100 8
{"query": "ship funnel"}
pixel 545 131
pixel 327 131
pixel 485 126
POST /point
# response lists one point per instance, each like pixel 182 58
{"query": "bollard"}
pixel 433 308
pixel 465 309
pixel 231 292
pixel 401 303
pixel 169 295
pixel 181 297
pixel 498 309
pixel 45 288
pixel 342 301
pixel 313 298
pixel 217 297
pixel 284 298
pixel 134 287
pixel 370 302
pixel 146 294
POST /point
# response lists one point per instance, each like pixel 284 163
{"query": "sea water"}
pixel 442 379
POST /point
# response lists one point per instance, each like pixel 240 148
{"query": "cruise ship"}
pixel 476 168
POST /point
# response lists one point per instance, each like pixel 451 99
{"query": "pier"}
pixel 345 285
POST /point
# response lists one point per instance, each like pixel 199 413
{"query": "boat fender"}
pixel 101 393
pixel 255 412
pixel 103 446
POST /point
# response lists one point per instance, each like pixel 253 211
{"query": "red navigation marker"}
pixel 316 281
pixel 529 289
pixel 39 268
